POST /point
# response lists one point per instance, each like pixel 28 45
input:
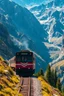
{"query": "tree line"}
pixel 51 77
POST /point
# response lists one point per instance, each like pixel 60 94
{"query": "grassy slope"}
pixel 48 90
pixel 8 81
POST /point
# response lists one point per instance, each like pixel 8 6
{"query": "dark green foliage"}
pixel 58 85
pixel 1 87
pixel 55 79
pixel 51 76
pixel 62 90
pixel 40 73
pixel 48 74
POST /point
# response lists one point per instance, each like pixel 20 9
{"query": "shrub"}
pixel 7 83
pixel 2 94
pixel 11 71
pixel 14 79
pixel 1 87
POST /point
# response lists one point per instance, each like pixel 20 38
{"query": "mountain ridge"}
pixel 16 20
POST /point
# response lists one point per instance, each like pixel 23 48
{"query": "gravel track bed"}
pixel 36 87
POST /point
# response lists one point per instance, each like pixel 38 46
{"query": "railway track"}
pixel 29 87
pixel 26 86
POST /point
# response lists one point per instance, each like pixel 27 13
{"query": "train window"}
pixel 24 58
pixel 18 58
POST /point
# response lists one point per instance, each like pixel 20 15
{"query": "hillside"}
pixel 6 49
pixel 48 90
pixel 8 81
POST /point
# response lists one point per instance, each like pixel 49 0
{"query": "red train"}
pixel 25 62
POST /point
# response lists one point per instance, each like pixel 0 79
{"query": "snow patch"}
pixel 51 31
pixel 15 6
pixel 6 16
pixel 37 55
pixel 16 41
pixel 31 6
pixel 10 0
pixel 44 21
pixel 35 12
pixel 2 9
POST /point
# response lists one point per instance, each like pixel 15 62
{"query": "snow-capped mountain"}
pixel 51 17
pixel 25 31
pixel 29 2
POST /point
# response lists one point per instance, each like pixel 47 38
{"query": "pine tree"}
pixel 56 78
pixel 41 72
pixel 48 74
pixel 58 84
pixel 62 89
pixel 53 78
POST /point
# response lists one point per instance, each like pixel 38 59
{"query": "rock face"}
pixel 25 30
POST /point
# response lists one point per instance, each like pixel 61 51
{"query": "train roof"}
pixel 24 51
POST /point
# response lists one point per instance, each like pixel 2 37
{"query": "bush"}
pixel 2 94
pixel 8 91
pixel 1 70
pixel 11 71
pixel 14 79
pixel 7 83
pixel 40 73
pixel 1 87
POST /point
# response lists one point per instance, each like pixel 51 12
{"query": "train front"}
pixel 25 63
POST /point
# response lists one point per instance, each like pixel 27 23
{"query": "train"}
pixel 25 62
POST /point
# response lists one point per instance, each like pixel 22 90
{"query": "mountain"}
pixel 51 17
pixel 25 31
pixel 7 47
pixel 29 2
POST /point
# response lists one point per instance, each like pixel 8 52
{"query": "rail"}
pixel 20 83
pixel 29 90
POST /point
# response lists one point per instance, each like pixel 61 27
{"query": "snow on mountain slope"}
pixel 29 2
pixel 51 17
pixel 19 21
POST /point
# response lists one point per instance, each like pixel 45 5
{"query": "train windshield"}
pixel 24 58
